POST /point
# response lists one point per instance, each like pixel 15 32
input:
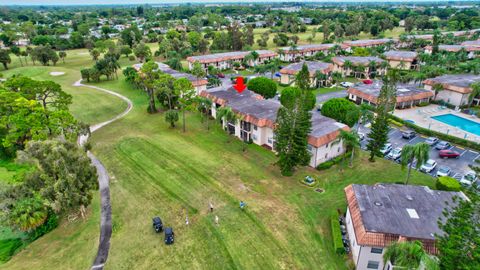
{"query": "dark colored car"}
pixel 221 75
pixel 442 145
pixel 448 154
pixel 169 236
pixel 408 134
pixel 157 224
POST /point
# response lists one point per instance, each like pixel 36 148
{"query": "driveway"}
pixel 321 98
pixel 459 166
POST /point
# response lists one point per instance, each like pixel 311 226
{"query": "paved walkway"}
pixel 103 183
pixel 422 116
pixel 321 98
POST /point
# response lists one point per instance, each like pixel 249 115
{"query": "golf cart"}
pixel 169 236
pixel 157 224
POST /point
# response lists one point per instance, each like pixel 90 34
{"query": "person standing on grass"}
pixel 210 205
pixel 242 205
pixel 216 220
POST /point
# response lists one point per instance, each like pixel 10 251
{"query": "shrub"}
pixel 263 86
pixel 329 163
pixel 396 123
pixel 131 58
pixel 48 226
pixel 8 248
pixel 448 183
pixel 341 110
pixel 423 104
pixel 337 235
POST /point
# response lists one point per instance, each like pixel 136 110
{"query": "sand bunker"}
pixel 57 73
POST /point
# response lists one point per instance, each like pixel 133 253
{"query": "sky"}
pixel 106 2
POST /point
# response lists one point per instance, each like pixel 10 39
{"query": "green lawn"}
pixel 89 105
pixel 161 171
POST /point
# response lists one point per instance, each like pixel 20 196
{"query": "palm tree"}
pixel 337 76
pixel 475 92
pixel 28 214
pixel 320 77
pixel 351 141
pixel 372 68
pixel 365 114
pixel 255 57
pixel 203 106
pixel 227 115
pixel 437 88
pixel 419 77
pixel 347 66
pixel 405 255
pixel 410 153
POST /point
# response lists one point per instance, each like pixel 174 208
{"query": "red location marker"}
pixel 239 86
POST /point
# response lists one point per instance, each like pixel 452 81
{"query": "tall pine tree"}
pixel 291 133
pixel 302 80
pixel 386 102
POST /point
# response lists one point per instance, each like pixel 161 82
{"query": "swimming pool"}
pixel 459 122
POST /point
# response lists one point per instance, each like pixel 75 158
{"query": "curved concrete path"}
pixel 103 182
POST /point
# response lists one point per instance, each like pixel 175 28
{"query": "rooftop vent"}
pixel 410 198
pixel 378 203
pixel 412 213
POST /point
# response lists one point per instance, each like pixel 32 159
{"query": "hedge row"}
pixel 337 235
pixel 329 163
pixel 441 136
pixel 448 183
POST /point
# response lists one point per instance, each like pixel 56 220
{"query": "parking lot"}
pixel 459 166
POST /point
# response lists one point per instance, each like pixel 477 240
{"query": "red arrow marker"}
pixel 239 86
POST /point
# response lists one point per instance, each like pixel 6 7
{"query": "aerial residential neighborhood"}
pixel 239 135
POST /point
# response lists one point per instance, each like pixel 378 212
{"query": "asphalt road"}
pixel 459 166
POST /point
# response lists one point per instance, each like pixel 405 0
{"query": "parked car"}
pixel 469 178
pixel 429 166
pixel 386 149
pixel 169 236
pixel 444 171
pixel 367 81
pixel 347 84
pixel 448 154
pixel 409 134
pixel 157 224
pixel 395 154
pixel 431 141
pixel 442 145
pixel 221 75
pixel 277 74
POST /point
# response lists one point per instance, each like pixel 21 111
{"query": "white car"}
pixel 469 178
pixel 395 153
pixel 429 166
pixel 444 171
pixel 347 84
pixel 386 149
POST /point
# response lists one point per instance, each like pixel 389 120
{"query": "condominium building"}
pixel 257 123
pixel 408 95
pixel 349 65
pixel 294 53
pixel 367 43
pixel 382 214
pixel 225 60
pixel 288 73
pixel 200 84
pixel 456 88
pixel 401 59
pixel 469 49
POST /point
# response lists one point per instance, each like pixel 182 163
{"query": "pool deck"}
pixel 422 117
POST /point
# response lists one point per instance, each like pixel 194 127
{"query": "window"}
pixel 373 265
pixel 254 127
pixel 326 155
pixel 270 140
pixel 309 148
pixel 376 250
pixel 254 137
